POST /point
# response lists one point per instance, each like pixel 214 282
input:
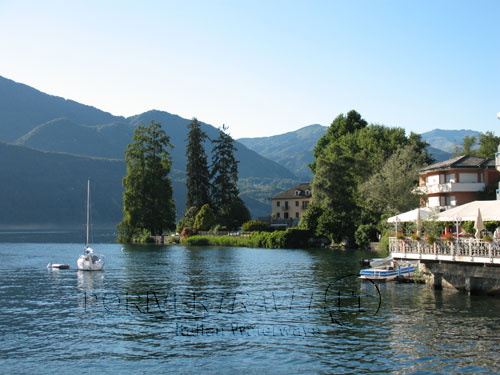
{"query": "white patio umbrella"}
pixel 478 225
pixel 419 222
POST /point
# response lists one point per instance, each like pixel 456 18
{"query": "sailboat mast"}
pixel 88 211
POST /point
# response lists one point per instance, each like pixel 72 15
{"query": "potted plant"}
pixel 488 238
pixel 430 239
pixel 449 237
pixel 415 237
pixel 400 236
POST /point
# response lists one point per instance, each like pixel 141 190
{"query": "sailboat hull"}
pixel 90 262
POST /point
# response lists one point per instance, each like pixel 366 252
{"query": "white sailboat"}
pixel 89 261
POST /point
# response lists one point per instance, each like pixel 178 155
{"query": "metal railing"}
pixel 464 250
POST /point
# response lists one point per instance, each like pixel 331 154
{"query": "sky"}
pixel 264 67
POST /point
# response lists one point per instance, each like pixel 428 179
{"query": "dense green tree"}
pixel 147 200
pixel 341 126
pixel 389 190
pixel 224 171
pixel 233 214
pixel 197 173
pixel 205 218
pixel 488 145
pixel 309 219
pixel 334 191
pixel 469 147
pixel 345 158
pixel 187 220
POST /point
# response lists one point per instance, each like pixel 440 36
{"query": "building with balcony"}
pixel 456 181
pixel 288 206
pixel 497 162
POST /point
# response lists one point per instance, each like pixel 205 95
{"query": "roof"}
pixel 490 211
pixel 462 161
pixel 292 193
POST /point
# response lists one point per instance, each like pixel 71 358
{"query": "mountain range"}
pixel 294 150
pixel 49 146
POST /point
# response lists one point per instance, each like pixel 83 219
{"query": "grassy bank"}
pixel 291 239
pixel 220 241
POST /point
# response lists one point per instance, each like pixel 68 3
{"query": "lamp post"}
pixel 457 221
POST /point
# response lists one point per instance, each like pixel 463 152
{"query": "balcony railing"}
pixel 468 250
pixel 451 187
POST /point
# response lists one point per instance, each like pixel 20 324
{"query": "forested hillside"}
pixel 62 127
pixel 22 108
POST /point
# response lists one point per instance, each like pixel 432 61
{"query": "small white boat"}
pixel 58 266
pixel 89 261
pixel 388 271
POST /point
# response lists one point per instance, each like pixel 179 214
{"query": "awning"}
pixel 411 215
pixel 490 211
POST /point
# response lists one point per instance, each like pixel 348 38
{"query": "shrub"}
pixel 143 236
pixel 233 214
pixel 448 237
pixel 415 237
pixel 204 219
pixel 364 234
pixel 255 226
pixel 188 232
pixel 430 239
pixel 488 238
pixel 187 219
pixel 297 238
pixel 276 240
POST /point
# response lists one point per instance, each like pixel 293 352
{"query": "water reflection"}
pixel 221 310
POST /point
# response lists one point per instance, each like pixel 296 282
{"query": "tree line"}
pixel 484 147
pixel 212 193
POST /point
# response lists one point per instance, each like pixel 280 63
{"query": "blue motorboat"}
pixel 389 271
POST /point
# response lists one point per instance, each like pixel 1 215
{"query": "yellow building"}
pixel 290 205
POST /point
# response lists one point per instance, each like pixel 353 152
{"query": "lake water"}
pixel 225 310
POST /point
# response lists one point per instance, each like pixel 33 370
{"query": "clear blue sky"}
pixel 264 67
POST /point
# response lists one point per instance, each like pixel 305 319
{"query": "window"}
pixel 296 203
pixel 277 203
pixel 286 205
pixel 451 200
pixel 285 215
pixel 297 193
pixel 450 178
pixel 432 180
pixel 468 177
pixel 433 202
pixel 442 201
pixel 308 193
pixel 305 204
pixel 277 215
pixel 297 215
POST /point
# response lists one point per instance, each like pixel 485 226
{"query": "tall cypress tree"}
pixel 147 201
pixel 224 170
pixel 197 173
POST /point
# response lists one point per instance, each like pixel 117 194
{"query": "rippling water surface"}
pixel 220 310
